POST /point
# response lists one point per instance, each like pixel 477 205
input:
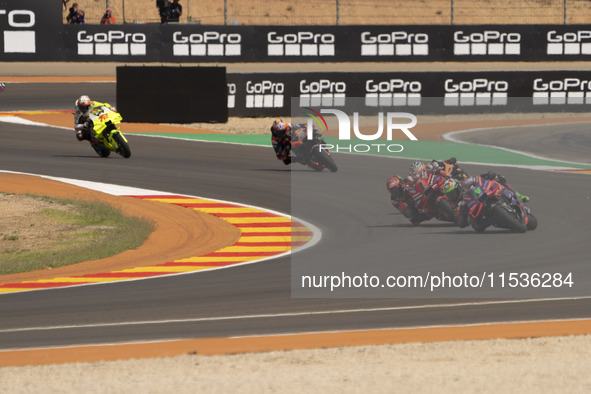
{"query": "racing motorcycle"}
pixel 431 199
pixel 498 205
pixel 312 152
pixel 106 135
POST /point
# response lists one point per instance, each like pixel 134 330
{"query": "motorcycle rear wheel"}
pixel 101 149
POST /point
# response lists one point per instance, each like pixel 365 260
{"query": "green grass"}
pixel 88 231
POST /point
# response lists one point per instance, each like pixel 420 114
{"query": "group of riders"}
pixel 415 195
pixel 439 189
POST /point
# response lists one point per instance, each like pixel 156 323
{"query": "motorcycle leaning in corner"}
pixel 311 152
pixel 103 126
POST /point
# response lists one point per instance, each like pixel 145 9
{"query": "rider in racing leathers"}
pixel 447 168
pixel 401 198
pixel 472 183
pixel 281 140
pixel 284 137
pixel 83 108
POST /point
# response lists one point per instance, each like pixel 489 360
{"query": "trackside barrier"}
pixel 32 30
pixel 257 94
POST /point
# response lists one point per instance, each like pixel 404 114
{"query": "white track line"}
pixel 297 314
pixel 451 136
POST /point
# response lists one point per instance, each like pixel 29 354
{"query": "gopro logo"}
pixel 397 43
pixel 479 91
pixel 490 42
pixel 19 41
pixel 322 93
pixel 113 42
pixel 392 93
pixel 231 95
pixel 264 94
pixel 570 43
pixel 210 43
pixel 562 91
pixel 303 43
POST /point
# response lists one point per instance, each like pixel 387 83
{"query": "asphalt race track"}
pixel 256 299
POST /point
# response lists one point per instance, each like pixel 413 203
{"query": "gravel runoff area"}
pixel 541 365
pixel 550 364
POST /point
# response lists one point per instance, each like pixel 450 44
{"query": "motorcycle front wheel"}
pixel 506 220
pixel 123 146
pixel 324 157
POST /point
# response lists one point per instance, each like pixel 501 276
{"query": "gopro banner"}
pixel 252 95
pixel 29 30
pixel 32 30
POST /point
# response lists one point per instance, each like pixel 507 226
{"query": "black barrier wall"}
pixel 172 94
pixel 251 95
pixel 33 30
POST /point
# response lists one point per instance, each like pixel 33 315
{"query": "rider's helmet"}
pixel 83 104
pixel 416 168
pixel 433 167
pixel 468 183
pixel 279 125
pixel 449 186
pixel 394 186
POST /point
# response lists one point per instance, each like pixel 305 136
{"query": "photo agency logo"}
pixel 18 36
pixel 396 125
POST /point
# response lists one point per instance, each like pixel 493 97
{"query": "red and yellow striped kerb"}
pixel 264 235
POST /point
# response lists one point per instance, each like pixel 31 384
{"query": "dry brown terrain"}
pixel 351 12
pixel 541 365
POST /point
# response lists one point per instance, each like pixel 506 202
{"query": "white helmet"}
pixel 83 104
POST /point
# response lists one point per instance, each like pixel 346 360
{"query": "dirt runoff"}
pixel 542 365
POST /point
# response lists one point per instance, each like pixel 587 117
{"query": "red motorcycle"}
pixel 429 197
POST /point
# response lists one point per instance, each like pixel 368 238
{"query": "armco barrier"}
pixel 270 94
pixel 33 31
